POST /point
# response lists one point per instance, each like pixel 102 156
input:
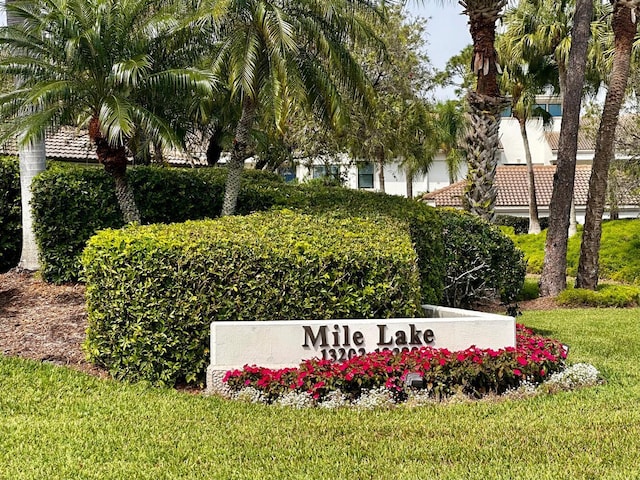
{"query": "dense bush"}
pixel 10 213
pixel 530 289
pixel 481 262
pixel 71 203
pixel 152 291
pixel 605 296
pixel 423 221
pixel 474 371
pixel 519 224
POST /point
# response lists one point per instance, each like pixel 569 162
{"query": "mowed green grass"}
pixel 59 424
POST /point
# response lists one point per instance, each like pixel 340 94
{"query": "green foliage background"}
pixel 619 251
pixel 480 261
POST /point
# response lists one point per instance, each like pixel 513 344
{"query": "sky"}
pixel 447 33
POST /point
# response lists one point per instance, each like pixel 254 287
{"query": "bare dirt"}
pixel 47 322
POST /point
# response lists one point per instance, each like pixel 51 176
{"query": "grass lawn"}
pixel 57 423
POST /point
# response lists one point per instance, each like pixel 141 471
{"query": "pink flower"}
pixel 517 372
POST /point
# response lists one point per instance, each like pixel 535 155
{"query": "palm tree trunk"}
pixel 381 169
pixel 573 221
pixel 624 28
pixel 534 221
pixel 485 105
pixel 409 182
pixel 32 162
pixel 126 200
pixel 553 279
pixel 114 160
pixel 239 154
pixel 481 144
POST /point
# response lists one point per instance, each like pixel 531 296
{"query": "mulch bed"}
pixel 43 322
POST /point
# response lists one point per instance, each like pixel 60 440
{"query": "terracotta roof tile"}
pixel 585 141
pixel 513 187
pixel 72 144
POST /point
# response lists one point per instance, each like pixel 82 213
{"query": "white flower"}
pixel 574 376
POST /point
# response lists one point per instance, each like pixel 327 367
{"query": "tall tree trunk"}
pixel 481 143
pixel 485 105
pixel 553 279
pixel 239 154
pixel 214 149
pixel 613 192
pixel 624 29
pixel 380 162
pixel 534 221
pixel 114 160
pixel 33 160
pixel 409 182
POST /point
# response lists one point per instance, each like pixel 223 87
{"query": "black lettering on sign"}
pixel 319 339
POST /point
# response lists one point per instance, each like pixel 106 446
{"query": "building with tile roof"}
pixel 73 145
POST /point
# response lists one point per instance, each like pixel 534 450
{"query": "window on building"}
pixel 321 171
pixel 288 174
pixel 365 175
pixel 506 112
pixel 555 109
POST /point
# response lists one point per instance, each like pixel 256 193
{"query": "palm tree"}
pixel 522 81
pixel 274 55
pixel 448 124
pixel 33 160
pixel 417 131
pixel 89 63
pixel 624 29
pixel 485 105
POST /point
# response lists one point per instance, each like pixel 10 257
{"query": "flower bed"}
pixel 439 372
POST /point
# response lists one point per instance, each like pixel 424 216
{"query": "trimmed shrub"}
pixel 152 291
pixel 481 262
pixel 10 213
pixel 605 296
pixel 424 224
pixel 72 202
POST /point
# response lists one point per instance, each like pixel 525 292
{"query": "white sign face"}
pixel 277 344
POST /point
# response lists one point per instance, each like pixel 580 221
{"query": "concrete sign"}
pixel 277 344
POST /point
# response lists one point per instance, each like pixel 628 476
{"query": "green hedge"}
pixel 152 291
pixel 10 213
pixel 424 224
pixel 72 202
pixel 481 261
